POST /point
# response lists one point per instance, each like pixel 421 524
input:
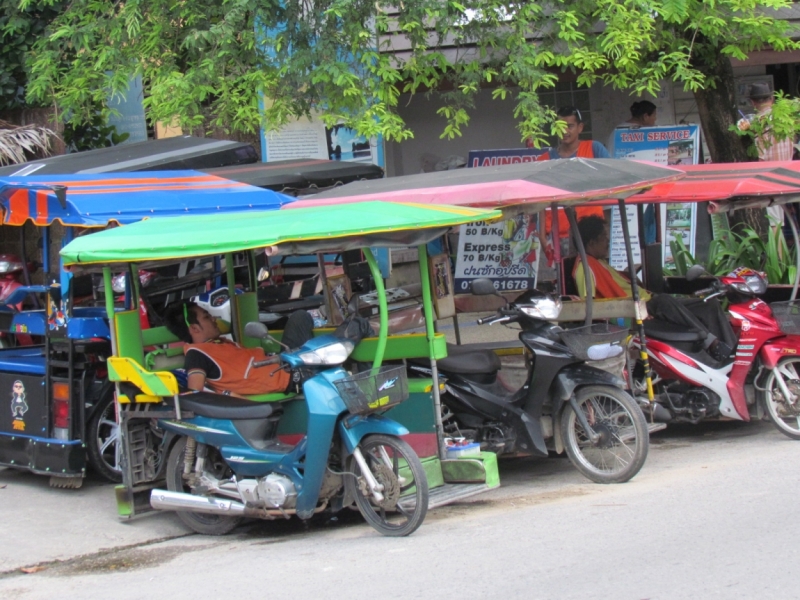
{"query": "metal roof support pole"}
pixel 793 224
pixel 236 327
pixel 587 272
pixel 642 241
pixel 555 236
pixel 383 307
pixel 626 234
pixel 430 317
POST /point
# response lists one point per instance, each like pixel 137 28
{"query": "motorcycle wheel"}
pixel 772 397
pixel 199 522
pixel 624 439
pixel 396 466
pixel 102 439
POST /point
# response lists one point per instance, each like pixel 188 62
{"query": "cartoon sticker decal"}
pixel 18 405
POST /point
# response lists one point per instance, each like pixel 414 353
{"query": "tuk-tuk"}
pixel 62 409
pixel 178 153
pixel 733 363
pixel 143 360
pixel 527 188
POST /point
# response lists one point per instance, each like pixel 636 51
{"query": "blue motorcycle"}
pixel 226 463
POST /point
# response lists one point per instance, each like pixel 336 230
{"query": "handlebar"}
pixel 704 291
pixel 269 361
pixel 493 319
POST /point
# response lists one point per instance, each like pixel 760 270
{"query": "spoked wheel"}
pixel 405 488
pixel 784 409
pixel 103 443
pixel 199 522
pixel 621 449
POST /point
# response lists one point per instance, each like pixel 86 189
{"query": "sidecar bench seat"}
pixel 218 406
pixel 670 332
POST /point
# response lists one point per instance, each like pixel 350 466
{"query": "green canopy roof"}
pixel 314 229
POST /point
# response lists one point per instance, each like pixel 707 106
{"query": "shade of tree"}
pixel 243 63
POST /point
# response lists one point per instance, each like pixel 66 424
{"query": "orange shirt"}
pixel 236 371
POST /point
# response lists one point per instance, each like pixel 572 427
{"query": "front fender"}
pixel 774 351
pixel 353 429
pixel 578 375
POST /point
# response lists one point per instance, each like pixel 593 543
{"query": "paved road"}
pixel 711 515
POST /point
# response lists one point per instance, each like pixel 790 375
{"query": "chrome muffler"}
pixel 166 500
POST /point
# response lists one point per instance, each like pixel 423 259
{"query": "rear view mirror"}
pixel 256 330
pixel 263 274
pixel 694 272
pixel 483 287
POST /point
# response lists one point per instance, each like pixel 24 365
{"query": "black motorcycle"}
pixel 565 403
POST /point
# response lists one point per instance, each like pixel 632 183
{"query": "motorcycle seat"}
pixel 218 406
pixel 670 332
pixel 464 360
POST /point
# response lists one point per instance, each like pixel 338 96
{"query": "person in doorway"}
pixel 606 281
pixel 570 145
pixel 225 366
pixel 643 114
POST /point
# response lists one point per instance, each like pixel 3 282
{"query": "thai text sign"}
pixel 507 252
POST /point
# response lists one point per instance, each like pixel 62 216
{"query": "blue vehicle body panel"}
pixel 27 359
pixel 42 455
pixel 354 428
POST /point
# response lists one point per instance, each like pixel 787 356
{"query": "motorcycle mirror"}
pixel 694 272
pixel 263 274
pixel 256 330
pixel 352 305
pixel 483 287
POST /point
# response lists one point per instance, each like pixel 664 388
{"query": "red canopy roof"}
pixel 727 181
pixel 564 181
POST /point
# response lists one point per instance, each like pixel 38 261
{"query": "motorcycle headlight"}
pixel 333 354
pixel 756 284
pixel 542 308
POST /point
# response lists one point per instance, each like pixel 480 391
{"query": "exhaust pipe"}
pixel 166 500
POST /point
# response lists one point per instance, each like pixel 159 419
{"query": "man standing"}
pixel 570 145
pixel 768 148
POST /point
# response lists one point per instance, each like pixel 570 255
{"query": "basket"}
pixel 787 314
pixel 374 390
pixel 598 341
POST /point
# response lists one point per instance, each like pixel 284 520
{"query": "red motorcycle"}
pixel 727 366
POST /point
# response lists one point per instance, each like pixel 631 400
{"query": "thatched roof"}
pixel 20 143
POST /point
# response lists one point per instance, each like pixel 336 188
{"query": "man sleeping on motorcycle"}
pixel 705 316
pixel 224 366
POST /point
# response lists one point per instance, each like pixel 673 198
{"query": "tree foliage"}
pixel 19 31
pixel 233 63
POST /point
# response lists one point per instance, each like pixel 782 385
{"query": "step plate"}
pixel 453 492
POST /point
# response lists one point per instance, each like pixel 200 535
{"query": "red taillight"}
pixel 60 413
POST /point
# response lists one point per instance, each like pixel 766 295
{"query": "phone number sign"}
pixel 507 252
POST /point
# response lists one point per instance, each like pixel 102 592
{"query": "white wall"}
pixel 493 126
